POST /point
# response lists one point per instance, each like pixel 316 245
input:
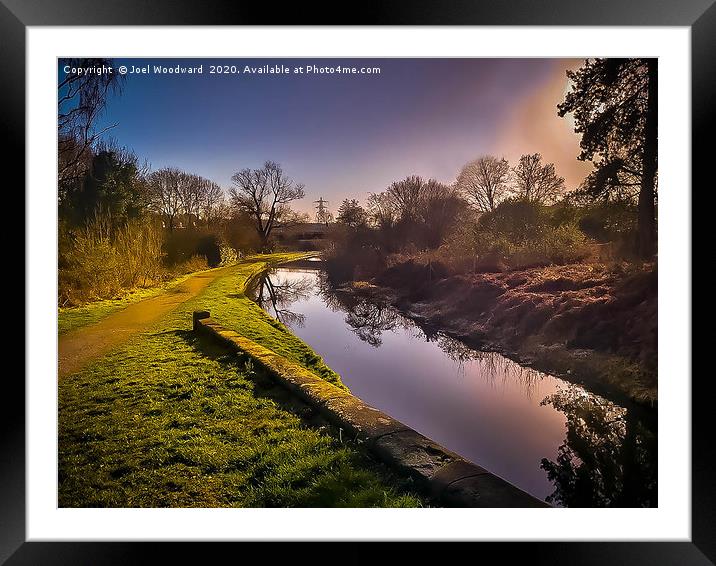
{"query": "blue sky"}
pixel 345 136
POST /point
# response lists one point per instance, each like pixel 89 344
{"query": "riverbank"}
pixel 591 324
pixel 169 419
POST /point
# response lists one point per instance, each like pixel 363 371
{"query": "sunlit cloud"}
pixel 535 127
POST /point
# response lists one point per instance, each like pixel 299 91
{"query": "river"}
pixel 551 438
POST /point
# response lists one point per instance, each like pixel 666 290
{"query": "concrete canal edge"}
pixel 446 476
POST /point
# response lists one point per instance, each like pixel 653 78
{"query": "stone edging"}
pixel 447 476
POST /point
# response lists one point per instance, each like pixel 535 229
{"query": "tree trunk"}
pixel 647 193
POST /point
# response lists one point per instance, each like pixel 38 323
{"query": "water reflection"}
pixel 495 369
pixel 554 439
pixel 275 294
pixel 608 458
pixel 368 319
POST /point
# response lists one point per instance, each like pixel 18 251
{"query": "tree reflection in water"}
pixel 495 368
pixel 274 295
pixel 368 318
pixel 608 457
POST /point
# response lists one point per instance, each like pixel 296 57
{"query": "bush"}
pixel 515 221
pixel 516 235
pixel 97 261
pixel 228 255
pixel 353 254
pixel 181 245
pixel 552 245
pixel 609 221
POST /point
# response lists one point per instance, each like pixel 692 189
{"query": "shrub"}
pixel 516 235
pixel 551 245
pixel 139 247
pixel 181 245
pixel 227 254
pixel 97 261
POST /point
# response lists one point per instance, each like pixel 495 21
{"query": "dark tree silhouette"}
pixel 614 103
pixel 81 99
pixel 164 186
pixel 484 182
pixel 382 214
pixel 416 210
pixel 352 214
pixel 180 196
pixel 535 181
pixel 264 194
pixel 114 185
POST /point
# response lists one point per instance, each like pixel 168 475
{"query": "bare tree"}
pixel 190 189
pixel 406 197
pixel 484 182
pixel 211 201
pixel 265 195
pixel 381 213
pixel 536 182
pixel 441 208
pixel 166 195
pixel 81 98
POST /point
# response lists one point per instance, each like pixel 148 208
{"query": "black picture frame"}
pixel 699 15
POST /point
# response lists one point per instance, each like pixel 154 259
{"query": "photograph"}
pixel 294 282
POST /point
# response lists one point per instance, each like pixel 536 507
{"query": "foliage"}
pixel 415 212
pixel 227 254
pixel 517 234
pixel 352 214
pixel 608 99
pixel 114 186
pixel 97 261
pixel 610 221
pixel 412 213
pixel 615 108
pixel 183 199
pixel 181 245
pixel 238 232
pixel 81 99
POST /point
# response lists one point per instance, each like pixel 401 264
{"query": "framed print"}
pixel 390 279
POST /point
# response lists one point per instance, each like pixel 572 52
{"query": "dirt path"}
pixel 79 347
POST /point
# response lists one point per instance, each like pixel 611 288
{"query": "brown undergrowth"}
pixel 590 322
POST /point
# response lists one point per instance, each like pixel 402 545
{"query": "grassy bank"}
pixel 227 301
pixel 169 419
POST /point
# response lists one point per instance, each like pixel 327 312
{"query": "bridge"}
pixel 303 231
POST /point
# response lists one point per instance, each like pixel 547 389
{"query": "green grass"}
pixel 170 419
pixel 72 318
pixel 228 304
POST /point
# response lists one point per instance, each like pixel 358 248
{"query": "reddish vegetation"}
pixel 594 321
